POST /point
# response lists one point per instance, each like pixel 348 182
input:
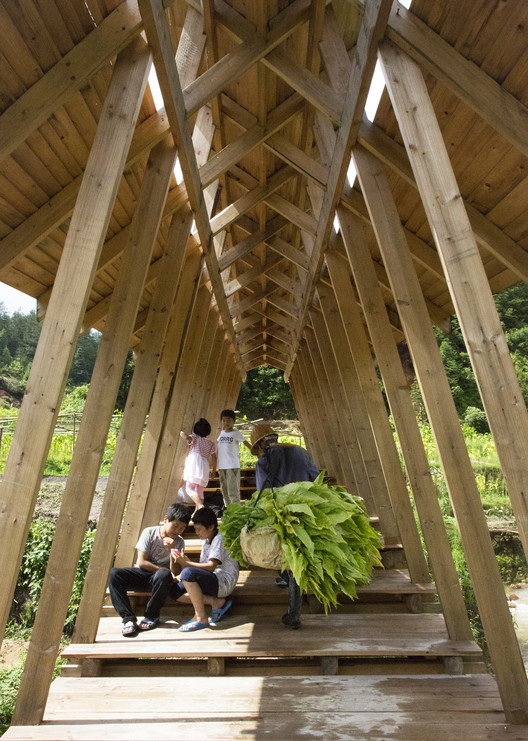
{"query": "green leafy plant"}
pixel 327 540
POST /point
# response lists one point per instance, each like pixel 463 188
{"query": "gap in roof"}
pixel 158 102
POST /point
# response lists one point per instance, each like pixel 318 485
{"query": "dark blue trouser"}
pixel 158 582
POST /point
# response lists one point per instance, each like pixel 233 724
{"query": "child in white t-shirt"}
pixel 229 457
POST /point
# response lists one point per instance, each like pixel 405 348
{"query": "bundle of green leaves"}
pixel 327 540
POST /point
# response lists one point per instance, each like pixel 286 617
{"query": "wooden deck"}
pixel 375 674
pixel 404 708
pixel 381 667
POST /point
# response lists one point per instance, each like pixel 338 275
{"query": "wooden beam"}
pixel 131 430
pixel 357 236
pixel 178 326
pixel 507 115
pixel 363 63
pixel 89 447
pixel 419 129
pixel 158 36
pixel 49 372
pixel 69 74
pixel 487 234
pixel 246 55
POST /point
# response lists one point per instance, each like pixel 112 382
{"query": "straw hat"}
pixel 258 433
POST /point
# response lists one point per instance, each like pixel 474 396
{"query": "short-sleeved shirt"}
pixel 228 451
pixel 151 543
pixel 227 570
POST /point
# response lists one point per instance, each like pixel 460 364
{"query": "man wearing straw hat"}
pixel 279 464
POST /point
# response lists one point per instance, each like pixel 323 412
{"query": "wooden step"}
pixel 258 587
pixel 328 637
pixel 409 708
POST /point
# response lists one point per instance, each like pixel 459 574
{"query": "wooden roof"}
pixel 269 81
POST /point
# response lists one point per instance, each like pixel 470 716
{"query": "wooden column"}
pixel 194 406
pixel 313 419
pixel 466 277
pixel 329 330
pixel 170 444
pixel 131 429
pixel 357 237
pixel 354 348
pixel 183 306
pixel 342 413
pixel 80 256
pixel 93 431
pixel 335 455
pixel 460 480
pixel 301 404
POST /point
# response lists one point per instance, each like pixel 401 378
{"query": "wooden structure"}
pixel 222 229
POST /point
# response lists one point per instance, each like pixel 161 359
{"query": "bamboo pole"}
pixel 460 480
pixel 93 431
pixel 131 429
pixel 80 256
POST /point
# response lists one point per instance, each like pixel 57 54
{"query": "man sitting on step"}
pixel 155 570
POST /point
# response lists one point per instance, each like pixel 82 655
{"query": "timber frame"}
pixel 264 251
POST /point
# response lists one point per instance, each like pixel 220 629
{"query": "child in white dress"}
pixel 200 461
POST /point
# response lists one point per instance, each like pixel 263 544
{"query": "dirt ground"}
pixel 50 497
pixel 11 651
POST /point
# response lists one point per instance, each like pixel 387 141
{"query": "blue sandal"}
pixel 130 629
pixel 147 624
pixel 192 625
pixel 219 613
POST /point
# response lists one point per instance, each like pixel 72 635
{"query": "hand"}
pixel 175 553
pixel 168 542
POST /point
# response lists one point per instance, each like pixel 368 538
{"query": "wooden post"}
pixel 333 451
pixel 333 344
pixel 355 345
pixel 170 443
pixel 466 277
pixel 49 372
pixel 93 431
pixel 131 429
pixel 183 307
pixel 312 407
pixel 194 404
pixel 460 480
pixel 356 237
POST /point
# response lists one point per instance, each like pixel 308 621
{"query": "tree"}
pixel 265 394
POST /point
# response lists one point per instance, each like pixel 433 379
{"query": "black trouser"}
pixel 295 602
pixel 158 582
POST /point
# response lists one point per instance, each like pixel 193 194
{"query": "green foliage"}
pixel 9 684
pixel 327 540
pixel 265 395
pixel 33 569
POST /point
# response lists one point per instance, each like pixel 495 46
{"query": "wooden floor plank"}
pixel 180 698
pixel 321 635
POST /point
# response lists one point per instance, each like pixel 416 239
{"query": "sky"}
pixel 14 300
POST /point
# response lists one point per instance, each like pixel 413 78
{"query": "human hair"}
pixel 179 512
pixel 206 517
pixel 202 427
pixel 227 413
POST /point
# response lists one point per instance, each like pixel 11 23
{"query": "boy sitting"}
pixel 154 571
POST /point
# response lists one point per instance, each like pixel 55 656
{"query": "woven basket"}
pixel 261 547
